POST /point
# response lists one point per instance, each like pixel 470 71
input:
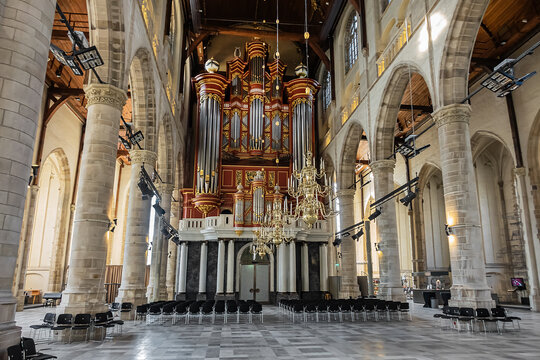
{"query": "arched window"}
pixel 351 42
pixel 327 90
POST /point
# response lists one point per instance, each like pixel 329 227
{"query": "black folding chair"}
pixel 126 308
pixel 219 309
pixel 64 322
pixel 29 349
pixel 48 323
pixel 256 309
pixel 232 308
pixel 483 316
pixel 15 352
pixel 82 322
pixel 102 322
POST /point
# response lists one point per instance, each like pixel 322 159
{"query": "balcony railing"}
pixel 394 46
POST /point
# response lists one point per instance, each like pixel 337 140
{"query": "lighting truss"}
pixel 502 80
pixel 147 186
pixel 89 58
pixel 66 59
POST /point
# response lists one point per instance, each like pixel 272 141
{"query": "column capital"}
pixel 343 193
pixel 382 165
pixel 105 94
pixel 520 171
pixel 165 188
pixel 452 113
pixel 143 156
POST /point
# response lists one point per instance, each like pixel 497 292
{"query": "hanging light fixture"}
pixel 304 187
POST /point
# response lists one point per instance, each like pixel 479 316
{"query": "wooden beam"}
pixel 320 53
pixel 195 15
pixel 253 33
pixel 331 20
pixel 363 27
pixel 62 35
pixel 196 42
pixel 424 108
pixel 65 91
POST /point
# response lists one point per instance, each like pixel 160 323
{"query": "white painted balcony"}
pixel 222 226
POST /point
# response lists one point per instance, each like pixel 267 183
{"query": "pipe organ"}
pixel 249 118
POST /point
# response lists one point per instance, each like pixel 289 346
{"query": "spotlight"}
pixel 112 225
pixel 145 189
pixel 136 138
pixel 125 142
pixel 448 230
pixel 159 210
pixel 377 247
pixel 66 59
pixel 89 58
pixel 58 72
pixel 358 234
pixel 165 231
pixel 374 214
pixel 407 199
pixel 337 241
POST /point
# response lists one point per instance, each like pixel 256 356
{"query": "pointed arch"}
pixel 458 48
pixel 106 18
pixel 385 125
pixel 347 166
pixel 143 98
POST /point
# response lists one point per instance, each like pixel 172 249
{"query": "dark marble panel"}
pixel 193 262
pixel 314 261
pixel 298 266
pixel 211 270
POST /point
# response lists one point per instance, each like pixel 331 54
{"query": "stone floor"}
pixel 278 338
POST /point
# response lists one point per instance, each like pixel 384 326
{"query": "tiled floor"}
pixel 278 338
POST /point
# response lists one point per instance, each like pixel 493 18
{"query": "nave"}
pixel 278 338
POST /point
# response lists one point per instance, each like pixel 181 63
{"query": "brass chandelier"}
pixel 274 229
pixel 303 186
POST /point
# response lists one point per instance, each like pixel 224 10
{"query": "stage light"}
pixel 448 230
pixel 126 143
pixel 65 59
pixel 407 199
pixel 374 214
pixel 358 234
pixel 89 57
pixel 145 189
pixel 112 225
pixel 159 210
pixel 337 241
pixel 136 138
pixel 377 247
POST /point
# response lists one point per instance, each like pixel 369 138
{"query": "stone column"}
pixel 323 267
pixel 182 271
pixel 202 271
pixel 390 272
pixel 305 267
pixel 282 272
pixel 152 291
pixel 292 267
pixel 220 278
pixel 173 250
pixel 349 282
pixel 26 33
pixel 26 240
pixel 469 285
pixel 166 195
pixel 523 200
pixel 85 292
pixel 230 268
pixel 132 288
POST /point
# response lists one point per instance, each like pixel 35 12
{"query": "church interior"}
pixel 210 179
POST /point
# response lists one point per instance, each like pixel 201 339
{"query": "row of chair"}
pixel 374 308
pixel 81 322
pixel 164 310
pixel 26 349
pixel 455 317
